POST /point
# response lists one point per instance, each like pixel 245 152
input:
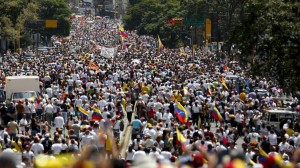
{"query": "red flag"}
pixel 123 34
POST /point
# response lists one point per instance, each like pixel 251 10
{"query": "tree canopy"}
pixel 266 33
pixel 15 13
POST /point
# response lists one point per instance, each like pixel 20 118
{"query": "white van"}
pixel 278 117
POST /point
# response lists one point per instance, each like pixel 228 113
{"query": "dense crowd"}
pixel 89 101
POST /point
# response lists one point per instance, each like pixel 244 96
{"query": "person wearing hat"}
pixel 148 141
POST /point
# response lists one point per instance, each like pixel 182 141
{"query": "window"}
pixel 273 117
pixel 23 95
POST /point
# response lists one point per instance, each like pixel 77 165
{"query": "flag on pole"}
pixel 122 34
pixel 224 83
pixel 216 114
pixel 93 66
pixel 160 45
pixel 181 113
pixel 180 138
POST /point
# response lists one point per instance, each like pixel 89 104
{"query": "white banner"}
pixel 108 52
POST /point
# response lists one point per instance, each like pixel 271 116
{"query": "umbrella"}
pixel 98 17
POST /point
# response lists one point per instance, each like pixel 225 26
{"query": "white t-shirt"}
pixel 129 155
pixel 56 148
pixel 23 122
pixel 272 139
pixel 29 155
pixel 59 122
pixel 253 136
pixel 37 148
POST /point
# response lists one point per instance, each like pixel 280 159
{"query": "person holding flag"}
pixel 180 113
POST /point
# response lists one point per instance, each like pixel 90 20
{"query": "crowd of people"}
pixel 88 103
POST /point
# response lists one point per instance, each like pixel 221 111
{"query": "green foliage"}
pixel 267 33
pixel 55 10
pixel 269 38
pixel 150 16
pixel 14 14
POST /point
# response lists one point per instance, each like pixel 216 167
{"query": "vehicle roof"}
pixel 281 110
pixel 22 77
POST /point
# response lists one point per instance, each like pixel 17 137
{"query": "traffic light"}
pixel 177 21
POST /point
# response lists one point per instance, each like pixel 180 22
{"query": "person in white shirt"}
pixel 286 125
pixel 57 147
pixel 23 123
pixel 272 138
pixel 129 154
pixel 49 112
pixel 32 108
pixel 37 147
pixel 283 146
pixel 28 154
pixel 59 121
pixel 253 136
pixel 167 116
pixel 86 138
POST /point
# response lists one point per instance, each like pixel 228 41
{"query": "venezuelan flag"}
pixel 160 45
pixel 216 114
pixel 181 139
pixel 181 113
pixel 96 114
pixel 36 103
pixel 83 113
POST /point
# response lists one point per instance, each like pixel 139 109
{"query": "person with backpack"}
pixel 47 143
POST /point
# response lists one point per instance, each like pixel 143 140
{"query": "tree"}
pixel 150 16
pixel 55 10
pixel 13 15
pixel 268 39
